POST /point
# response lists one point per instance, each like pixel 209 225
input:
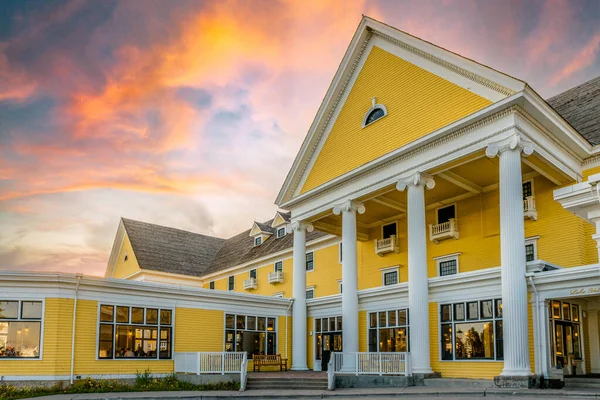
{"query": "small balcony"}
pixel 250 284
pixel 387 245
pixel 529 210
pixel 276 277
pixel 445 230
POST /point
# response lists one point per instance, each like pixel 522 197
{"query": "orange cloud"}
pixel 584 58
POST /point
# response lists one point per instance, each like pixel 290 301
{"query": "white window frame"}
pixel 259 240
pixel 370 110
pixel 310 289
pixel 532 187
pixel 306 261
pixel 388 270
pixel 437 219
pixel 275 265
pixel 390 223
pixel 278 230
pixel 255 273
pixel 228 278
pixel 340 254
pixel 213 284
pixel 532 240
pixel 448 257
pixel 278 294
pixel 42 323
pixel 339 281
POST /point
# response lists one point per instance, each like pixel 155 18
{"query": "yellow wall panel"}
pixel 284 338
pixel 418 103
pixel 591 171
pixel 362 331
pixel 190 321
pixel 125 268
pixel 310 342
pixel 326 273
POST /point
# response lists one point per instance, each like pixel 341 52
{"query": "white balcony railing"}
pixel 276 277
pixel 387 245
pixel 209 362
pixel 250 284
pixel 529 210
pixel 367 364
pixel 445 230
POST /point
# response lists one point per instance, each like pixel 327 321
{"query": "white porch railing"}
pixel 387 245
pixel 276 277
pixel 210 362
pixel 368 364
pixel 445 230
pixel 529 210
pixel 250 284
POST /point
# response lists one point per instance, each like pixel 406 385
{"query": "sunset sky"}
pixel 190 113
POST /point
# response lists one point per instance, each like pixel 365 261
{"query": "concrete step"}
pixel 582 383
pixel 458 383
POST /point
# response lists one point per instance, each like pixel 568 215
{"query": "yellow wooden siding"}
pixel 56 351
pixel 199 330
pixel 125 268
pixel 590 171
pixel 417 101
pixel 362 331
pixel 85 349
pixel 326 273
pixel 310 342
pixel 457 369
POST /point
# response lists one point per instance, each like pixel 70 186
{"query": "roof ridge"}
pixel 170 227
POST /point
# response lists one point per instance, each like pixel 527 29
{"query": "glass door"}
pixel 331 342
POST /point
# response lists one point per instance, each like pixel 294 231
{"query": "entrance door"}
pixel 331 342
pixel 563 334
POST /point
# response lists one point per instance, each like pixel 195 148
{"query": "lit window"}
pixel 388 331
pixel 249 333
pixel 231 283
pixel 310 294
pixel 257 241
pixel 475 328
pixel 20 329
pixel 280 232
pixel 134 332
pixel 310 263
pixel 211 285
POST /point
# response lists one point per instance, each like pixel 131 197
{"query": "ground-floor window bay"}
pixel 134 332
pixel 20 328
pixel 388 331
pixel 472 330
pixel 250 333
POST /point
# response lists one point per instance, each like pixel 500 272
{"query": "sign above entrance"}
pixel 586 290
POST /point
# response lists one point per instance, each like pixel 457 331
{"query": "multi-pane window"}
pixel 253 273
pixel 280 232
pixel 257 241
pixel 279 266
pixel 20 328
pixel 374 115
pixel 472 330
pixel 310 294
pixel 390 277
pixel 310 261
pixel 211 285
pixel 448 266
pixel 388 331
pixel 231 283
pixel 328 335
pixel 527 189
pixel 252 334
pixel 135 332
pixel 530 252
pixel 565 331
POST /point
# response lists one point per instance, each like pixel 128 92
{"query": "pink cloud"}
pixel 583 59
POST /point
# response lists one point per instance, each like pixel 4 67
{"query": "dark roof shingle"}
pixel 580 106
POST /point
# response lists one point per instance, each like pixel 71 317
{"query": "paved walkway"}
pixel 418 392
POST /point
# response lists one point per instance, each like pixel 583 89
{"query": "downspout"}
pixel 286 327
pixel 79 276
pixel 538 327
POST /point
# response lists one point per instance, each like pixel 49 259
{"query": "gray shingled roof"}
pixel 159 248
pixel 580 106
pixel 265 226
pixel 163 249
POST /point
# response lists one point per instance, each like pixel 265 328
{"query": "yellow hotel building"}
pixel 437 207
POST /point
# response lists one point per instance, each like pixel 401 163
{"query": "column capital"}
pixel 349 205
pixel 299 226
pixel 417 179
pixel 515 142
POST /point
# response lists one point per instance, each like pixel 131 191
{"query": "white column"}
pixel 418 291
pixel 512 254
pixel 299 292
pixel 349 274
pixel 594 340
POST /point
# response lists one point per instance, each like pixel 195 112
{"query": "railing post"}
pixel 223 364
pixel 380 373
pixel 356 364
pixel 198 360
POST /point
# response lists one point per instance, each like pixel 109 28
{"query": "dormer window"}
pixel 257 241
pixel 280 232
pixel 377 111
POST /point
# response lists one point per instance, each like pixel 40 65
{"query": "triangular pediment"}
pixel 420 87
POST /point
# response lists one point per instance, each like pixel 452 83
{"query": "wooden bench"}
pixel 260 360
